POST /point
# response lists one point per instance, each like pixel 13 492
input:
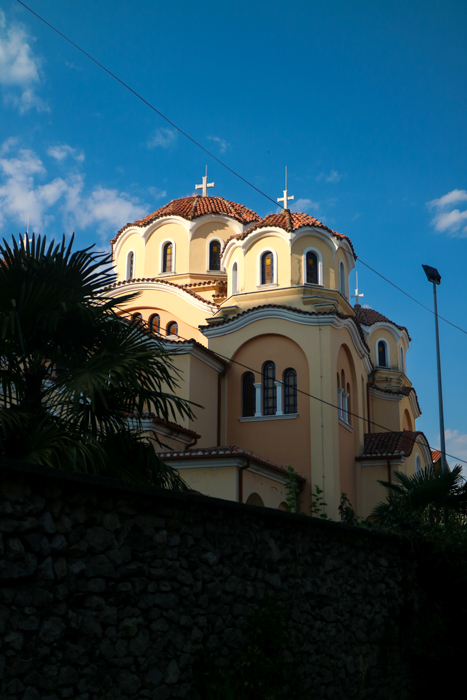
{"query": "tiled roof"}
pixel 435 455
pixel 404 390
pixel 224 450
pixel 222 320
pixel 390 444
pixel 368 317
pixel 191 208
pixel 290 221
pixel 162 280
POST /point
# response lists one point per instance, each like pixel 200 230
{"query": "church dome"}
pixel 292 221
pixel 191 208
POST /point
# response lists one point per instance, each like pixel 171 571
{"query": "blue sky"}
pixel 364 102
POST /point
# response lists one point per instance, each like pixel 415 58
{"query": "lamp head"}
pixel 432 274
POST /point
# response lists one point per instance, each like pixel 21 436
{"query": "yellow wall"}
pixel 271 491
pixel 167 232
pixel 298 248
pixel 251 261
pixel 218 482
pixel 133 242
pixel 199 245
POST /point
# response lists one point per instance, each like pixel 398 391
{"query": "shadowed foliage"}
pixel 75 377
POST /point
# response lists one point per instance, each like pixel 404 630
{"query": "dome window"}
pixel 214 255
pixel 172 328
pixel 155 323
pixel 311 268
pixel 382 353
pixel 130 265
pixel 267 268
pixel 167 257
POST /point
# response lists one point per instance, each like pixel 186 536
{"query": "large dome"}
pixel 191 208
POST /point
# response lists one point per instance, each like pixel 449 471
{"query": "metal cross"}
pixel 205 185
pixel 285 198
pixel 357 295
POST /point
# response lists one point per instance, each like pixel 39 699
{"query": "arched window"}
pixel 248 394
pixel 267 268
pixel 418 465
pixel 269 389
pixel 342 286
pixel 254 499
pixel 382 354
pixel 155 323
pixel 167 257
pixel 347 407
pixel 234 278
pixel 290 394
pixel 402 360
pixel 214 255
pixel 172 328
pixel 137 318
pixel 311 263
pixel 130 265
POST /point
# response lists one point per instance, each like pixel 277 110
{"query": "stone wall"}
pixel 111 590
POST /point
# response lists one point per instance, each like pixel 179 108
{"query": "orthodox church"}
pixel 256 316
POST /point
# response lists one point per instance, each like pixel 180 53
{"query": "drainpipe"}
pixel 192 443
pixel 240 480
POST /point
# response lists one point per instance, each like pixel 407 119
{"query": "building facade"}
pixel 255 313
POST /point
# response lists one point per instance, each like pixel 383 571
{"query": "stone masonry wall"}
pixel 110 590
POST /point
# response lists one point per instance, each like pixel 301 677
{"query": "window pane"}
pixel 172 328
pixel 214 255
pixel 249 395
pixel 269 389
pixel 382 360
pixel 154 323
pixel 290 398
pixel 267 268
pixel 311 268
pixel 168 256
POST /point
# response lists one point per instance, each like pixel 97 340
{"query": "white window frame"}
pixel 342 278
pixel 127 277
pixel 258 268
pixel 161 257
pixel 319 258
pixel 208 244
pixel 388 354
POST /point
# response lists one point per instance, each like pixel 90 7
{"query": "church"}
pixel 256 316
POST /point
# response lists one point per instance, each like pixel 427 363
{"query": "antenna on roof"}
pixel 285 198
pixel 357 295
pixel 205 185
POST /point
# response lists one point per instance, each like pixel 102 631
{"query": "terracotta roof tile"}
pixel 435 455
pixel 368 317
pixel 161 280
pixel 191 208
pixel 390 444
pixel 290 221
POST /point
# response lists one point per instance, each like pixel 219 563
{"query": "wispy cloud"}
pixel 24 190
pixel 456 444
pixel 62 151
pixel 305 206
pixel 163 138
pixel 333 176
pixel 20 70
pixel 447 219
pixel 156 193
pixel 222 143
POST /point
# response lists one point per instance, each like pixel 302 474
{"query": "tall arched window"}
pixel 269 389
pixel 234 278
pixel 248 394
pixel 342 286
pixel 418 465
pixel 267 268
pixel 214 255
pixel 167 257
pixel 311 267
pixel 172 328
pixel 290 394
pixel 383 354
pixel 130 265
pixel 348 409
pixel 155 323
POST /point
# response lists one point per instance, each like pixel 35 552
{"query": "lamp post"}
pixel 433 276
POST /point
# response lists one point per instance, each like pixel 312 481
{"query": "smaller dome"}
pixel 191 208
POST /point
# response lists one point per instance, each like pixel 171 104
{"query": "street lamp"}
pixel 433 275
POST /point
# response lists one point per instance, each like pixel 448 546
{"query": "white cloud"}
pixel 22 195
pixel 19 68
pixel 61 152
pixel 156 193
pixel 305 205
pixel 456 444
pixel 333 176
pixel 163 138
pixel 222 143
pixel 449 220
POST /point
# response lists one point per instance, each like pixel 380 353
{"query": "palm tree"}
pixel 73 371
pixel 420 500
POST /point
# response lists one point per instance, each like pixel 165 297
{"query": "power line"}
pixel 317 398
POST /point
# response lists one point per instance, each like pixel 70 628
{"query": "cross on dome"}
pixel 357 295
pixel 205 185
pixel 285 198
